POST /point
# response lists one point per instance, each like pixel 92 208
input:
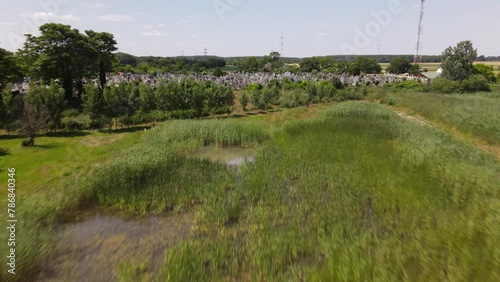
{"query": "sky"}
pixel 254 27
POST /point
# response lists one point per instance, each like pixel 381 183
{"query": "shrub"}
pixel 76 122
pixel 71 113
pixel 4 151
pixel 413 85
pixel 349 94
pixel 443 85
pixel 476 83
pixel 293 98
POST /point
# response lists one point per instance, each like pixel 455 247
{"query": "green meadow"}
pixel 351 191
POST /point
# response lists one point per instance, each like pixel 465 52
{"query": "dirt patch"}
pixel 99 141
pixel 416 120
pixel 93 248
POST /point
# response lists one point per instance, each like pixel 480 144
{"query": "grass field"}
pixel 435 66
pixel 476 115
pixel 344 192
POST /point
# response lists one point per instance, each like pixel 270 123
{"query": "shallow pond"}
pixel 231 156
pixel 93 247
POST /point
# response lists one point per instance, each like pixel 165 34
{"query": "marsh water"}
pixel 231 156
pixel 96 242
pixel 93 247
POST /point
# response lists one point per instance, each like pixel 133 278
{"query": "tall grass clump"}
pixel 477 114
pixel 148 180
pixel 156 177
pixel 38 230
pixel 209 132
pixel 356 194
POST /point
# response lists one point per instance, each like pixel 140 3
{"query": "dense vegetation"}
pixel 125 104
pixel 474 114
pixel 153 65
pixel 355 193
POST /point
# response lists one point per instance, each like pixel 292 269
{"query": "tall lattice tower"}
pixel 205 51
pixel 418 55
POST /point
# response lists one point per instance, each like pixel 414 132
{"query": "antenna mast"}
pixel 282 43
pixel 418 56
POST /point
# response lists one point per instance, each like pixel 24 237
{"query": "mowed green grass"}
pixel 352 192
pixel 56 158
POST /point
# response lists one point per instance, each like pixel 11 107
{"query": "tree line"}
pixel 153 65
pixel 45 107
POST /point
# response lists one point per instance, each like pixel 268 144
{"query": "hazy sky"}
pixel 253 27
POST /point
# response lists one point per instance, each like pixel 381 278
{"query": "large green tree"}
pixel 105 44
pixel 10 105
pixel 402 65
pixel 59 52
pixel 310 64
pixel 9 68
pixel 63 53
pixel 457 62
pixel 365 65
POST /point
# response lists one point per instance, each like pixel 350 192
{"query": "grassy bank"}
pixel 475 114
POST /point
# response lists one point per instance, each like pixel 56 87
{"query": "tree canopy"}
pixel 10 69
pixel 402 65
pixel 458 61
pixel 63 53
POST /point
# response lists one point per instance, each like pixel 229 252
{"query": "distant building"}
pixel 429 76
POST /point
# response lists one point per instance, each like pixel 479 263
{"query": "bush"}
pixel 76 122
pixel 4 151
pixel 183 114
pixel 293 98
pixel 71 113
pixel 413 85
pixel 349 94
pixel 443 85
pixel 476 83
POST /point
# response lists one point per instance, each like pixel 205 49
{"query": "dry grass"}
pixel 99 141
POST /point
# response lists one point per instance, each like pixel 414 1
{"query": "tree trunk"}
pixel 102 74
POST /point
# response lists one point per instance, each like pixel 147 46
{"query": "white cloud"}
pixel 153 26
pixel 154 33
pixel 8 24
pixel 117 18
pixel 93 5
pixel 48 16
pixel 322 34
pixel 320 25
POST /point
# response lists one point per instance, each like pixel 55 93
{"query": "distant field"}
pixel 435 66
pixel 230 68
